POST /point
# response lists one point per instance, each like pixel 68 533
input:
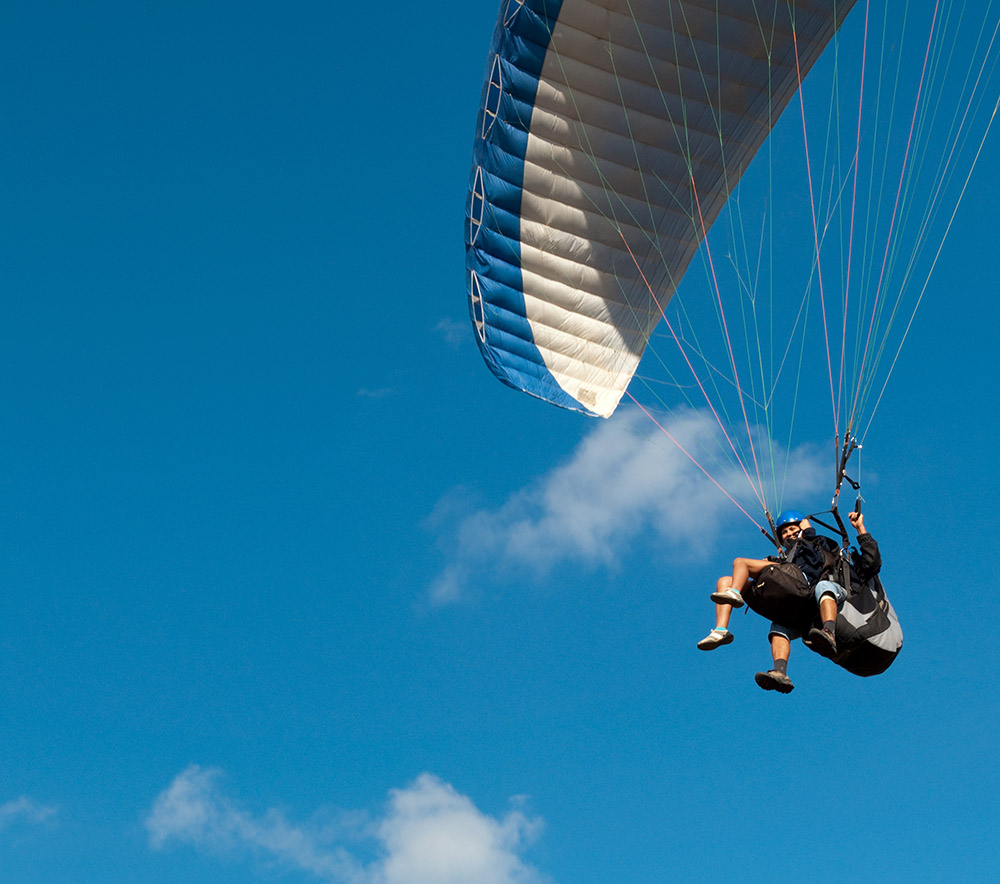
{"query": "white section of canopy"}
pixel 646 111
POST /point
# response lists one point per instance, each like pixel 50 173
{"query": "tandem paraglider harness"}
pixel 867 630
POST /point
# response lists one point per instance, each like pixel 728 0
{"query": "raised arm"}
pixel 871 558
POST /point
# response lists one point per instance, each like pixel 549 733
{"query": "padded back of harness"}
pixel 868 632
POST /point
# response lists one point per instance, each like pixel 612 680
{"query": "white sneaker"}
pixel 728 597
pixel 716 638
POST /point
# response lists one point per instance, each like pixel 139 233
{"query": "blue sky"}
pixel 294 590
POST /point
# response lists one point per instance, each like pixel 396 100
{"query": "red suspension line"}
pixel 694 374
pixel 673 439
pixel 729 344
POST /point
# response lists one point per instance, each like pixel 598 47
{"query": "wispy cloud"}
pixel 25 810
pixel 624 479
pixel 429 834
pixel 376 393
pixel 454 332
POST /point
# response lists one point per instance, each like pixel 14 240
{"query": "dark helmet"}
pixel 788 517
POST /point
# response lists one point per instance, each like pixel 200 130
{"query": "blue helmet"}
pixel 788 517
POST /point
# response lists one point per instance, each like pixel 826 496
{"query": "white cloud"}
pixel 434 835
pixel 25 810
pixel 429 834
pixel 625 478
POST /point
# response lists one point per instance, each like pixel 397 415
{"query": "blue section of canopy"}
pixel 520 42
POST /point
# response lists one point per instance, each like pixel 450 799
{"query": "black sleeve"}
pixel 871 558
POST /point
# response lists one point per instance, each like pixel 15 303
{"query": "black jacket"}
pixel 817 556
pixel 866 563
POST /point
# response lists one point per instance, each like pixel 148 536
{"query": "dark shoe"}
pixel 823 643
pixel 774 681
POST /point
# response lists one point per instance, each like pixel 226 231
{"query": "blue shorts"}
pixel 824 587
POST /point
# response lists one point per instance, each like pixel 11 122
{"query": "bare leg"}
pixel 744 569
pixel 781 649
pixel 720 635
pixel 722 612
pixel 827 608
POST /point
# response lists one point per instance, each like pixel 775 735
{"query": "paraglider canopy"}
pixel 610 136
